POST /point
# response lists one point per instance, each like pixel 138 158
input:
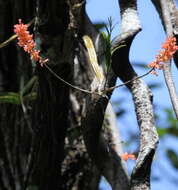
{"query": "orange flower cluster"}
pixel 169 48
pixel 127 156
pixel 26 41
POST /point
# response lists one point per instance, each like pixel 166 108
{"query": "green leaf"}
pixel 100 25
pixel 154 85
pixel 173 157
pixel 30 97
pixel 173 122
pixel 104 35
pixel 14 98
pixel 140 65
pixel 173 131
pixel 10 97
pixel 162 131
pixel 29 85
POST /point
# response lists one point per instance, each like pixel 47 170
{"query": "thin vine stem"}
pixel 92 92
pixel 129 81
pixel 67 83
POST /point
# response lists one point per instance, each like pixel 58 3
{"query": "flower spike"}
pixel 169 47
pixel 25 40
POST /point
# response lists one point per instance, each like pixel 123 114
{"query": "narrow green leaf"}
pixel 99 25
pixel 173 131
pixel 154 85
pixel 162 132
pixel 29 85
pixel 30 97
pixel 173 158
pixel 10 97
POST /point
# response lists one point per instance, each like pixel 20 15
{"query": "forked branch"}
pixel 142 97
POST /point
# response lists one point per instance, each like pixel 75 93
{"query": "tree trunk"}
pixel 43 146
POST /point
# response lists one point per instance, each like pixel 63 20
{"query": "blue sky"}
pixel 143 50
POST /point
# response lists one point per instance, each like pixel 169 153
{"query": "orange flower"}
pixel 127 156
pixel 27 43
pixel 35 55
pixel 169 48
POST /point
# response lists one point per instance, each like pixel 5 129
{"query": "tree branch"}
pixel 167 17
pixel 103 155
pixel 142 97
